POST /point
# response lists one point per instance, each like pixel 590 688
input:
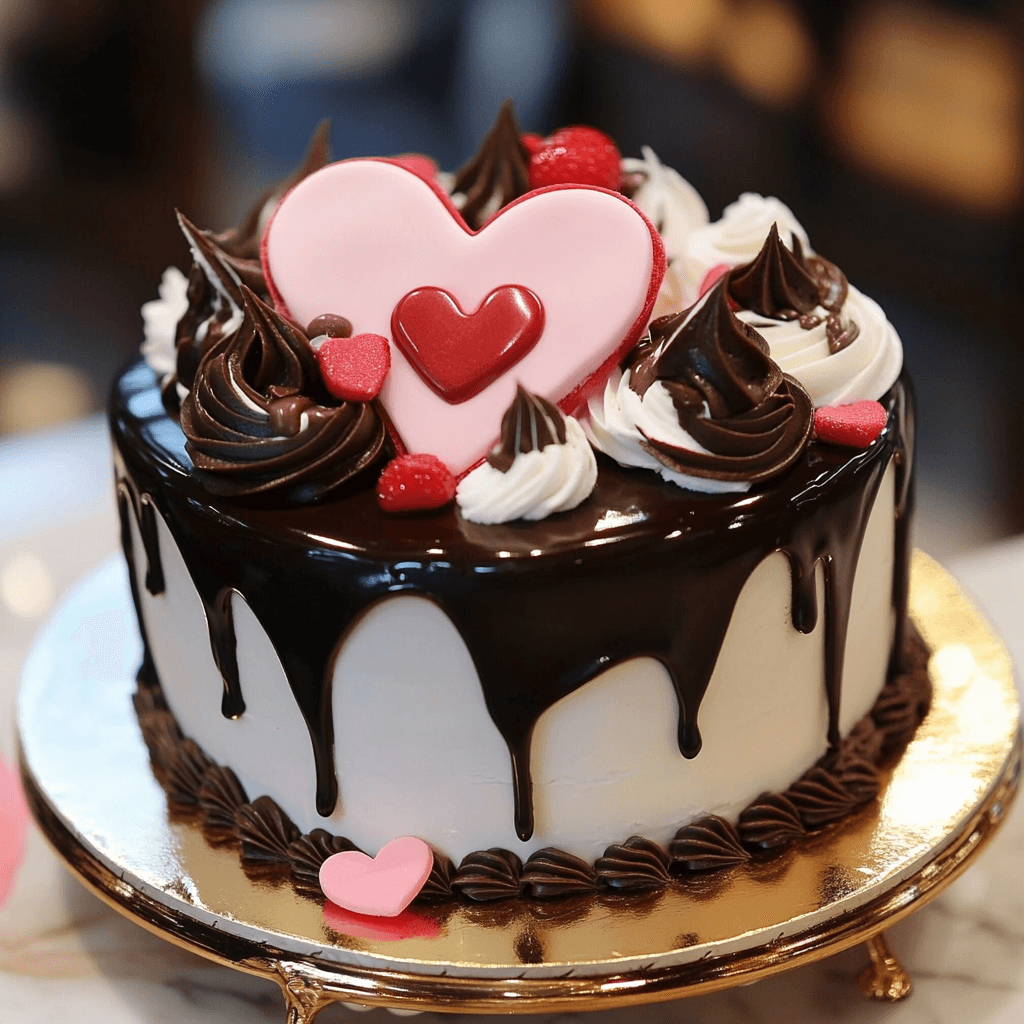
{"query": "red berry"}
pixel 533 143
pixel 354 368
pixel 576 156
pixel 413 482
pixel 420 165
pixel 854 426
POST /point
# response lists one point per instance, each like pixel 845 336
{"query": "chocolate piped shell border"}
pixel 844 781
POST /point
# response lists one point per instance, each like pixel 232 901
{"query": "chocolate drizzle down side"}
pixel 530 423
pixel 783 285
pixel 840 783
pixel 675 603
pixel 731 398
pixel 497 174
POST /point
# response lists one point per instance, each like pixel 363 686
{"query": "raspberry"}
pixel 413 482
pixel 576 156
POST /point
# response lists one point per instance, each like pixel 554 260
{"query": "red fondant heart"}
pixel 459 354
pixel 354 368
pixel 356 237
pixel 854 426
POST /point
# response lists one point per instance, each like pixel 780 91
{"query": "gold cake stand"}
pixel 940 805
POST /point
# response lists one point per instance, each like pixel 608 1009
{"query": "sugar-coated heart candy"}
pixel 381 886
pixel 854 426
pixel 414 482
pixel 354 368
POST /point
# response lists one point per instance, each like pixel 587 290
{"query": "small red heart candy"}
pixel 413 482
pixel 354 368
pixel 854 426
pixel 420 165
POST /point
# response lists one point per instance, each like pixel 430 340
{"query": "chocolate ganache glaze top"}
pixel 502 586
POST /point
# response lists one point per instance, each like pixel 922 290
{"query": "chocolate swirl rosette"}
pixel 704 404
pixel 258 418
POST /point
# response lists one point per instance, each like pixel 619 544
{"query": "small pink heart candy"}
pixel 381 886
pixel 13 825
pixel 854 426
pixel 354 368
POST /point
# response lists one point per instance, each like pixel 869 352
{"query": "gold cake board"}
pixel 938 807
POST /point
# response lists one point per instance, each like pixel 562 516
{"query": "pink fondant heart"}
pixel 457 354
pixel 855 425
pixel 381 886
pixel 354 368
pixel 358 236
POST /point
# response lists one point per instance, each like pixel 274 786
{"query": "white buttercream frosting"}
pixel 620 420
pixel 539 483
pixel 160 319
pixel 676 209
pixel 864 370
pixel 738 235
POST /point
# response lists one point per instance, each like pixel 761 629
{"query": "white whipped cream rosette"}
pixel 676 209
pixel 863 370
pixel 160 319
pixel 620 421
pixel 547 478
pixel 737 236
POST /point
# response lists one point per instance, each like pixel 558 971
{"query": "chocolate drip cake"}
pixel 579 590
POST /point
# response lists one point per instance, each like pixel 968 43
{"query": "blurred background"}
pixel 893 129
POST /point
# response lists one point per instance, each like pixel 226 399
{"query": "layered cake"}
pixel 524 511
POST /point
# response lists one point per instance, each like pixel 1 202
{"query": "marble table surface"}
pixel 65 956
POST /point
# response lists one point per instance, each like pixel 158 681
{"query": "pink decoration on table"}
pixel 407 925
pixel 411 483
pixel 458 354
pixel 13 825
pixel 854 426
pixel 381 886
pixel 360 235
pixel 354 368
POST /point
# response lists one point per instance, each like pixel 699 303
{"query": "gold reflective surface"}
pixel 842 885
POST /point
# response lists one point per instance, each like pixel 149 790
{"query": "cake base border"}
pixel 967 658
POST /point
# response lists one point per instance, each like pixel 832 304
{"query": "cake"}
pixel 609 588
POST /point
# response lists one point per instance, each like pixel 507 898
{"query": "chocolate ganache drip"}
pixel 259 419
pixel 497 174
pixel 530 423
pixel 784 285
pixel 752 419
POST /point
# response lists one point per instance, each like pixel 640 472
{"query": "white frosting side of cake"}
pixel 418 754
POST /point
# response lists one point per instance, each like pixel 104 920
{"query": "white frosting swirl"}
pixel 620 420
pixel 160 319
pixel 738 236
pixel 864 370
pixel 676 209
pixel 552 479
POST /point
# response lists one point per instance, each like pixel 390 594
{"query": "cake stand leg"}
pixel 303 999
pixel 884 978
